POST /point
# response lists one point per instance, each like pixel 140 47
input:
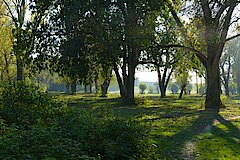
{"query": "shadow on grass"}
pixel 164 112
pixel 203 124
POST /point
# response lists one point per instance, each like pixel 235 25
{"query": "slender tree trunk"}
pixel 96 83
pixel 197 83
pixel 119 80
pixel 19 69
pixel 182 90
pixel 238 85
pixel 85 88
pixel 90 88
pixel 226 89
pixel 67 88
pixel 73 87
pixel 7 68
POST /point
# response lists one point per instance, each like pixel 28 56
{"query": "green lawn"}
pixel 181 129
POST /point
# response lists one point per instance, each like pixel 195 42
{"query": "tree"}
pixel 142 87
pixel 182 79
pixel 6 58
pixel 226 65
pixel 25 27
pixel 174 88
pixel 216 18
pixel 236 63
pixel 163 60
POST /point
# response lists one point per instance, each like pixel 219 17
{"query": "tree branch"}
pixel 201 56
pixel 233 37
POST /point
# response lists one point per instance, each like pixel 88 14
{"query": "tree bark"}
pixel 19 69
pixel 238 85
pixel 182 90
pixel 7 68
pixel 197 84
pixel 213 100
pixel 104 88
pixel 73 88
pixel 119 80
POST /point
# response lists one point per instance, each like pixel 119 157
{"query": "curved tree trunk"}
pixel 104 87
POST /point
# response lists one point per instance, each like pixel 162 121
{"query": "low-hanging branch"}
pixel 201 56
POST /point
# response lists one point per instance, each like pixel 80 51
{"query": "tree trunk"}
pixel 85 88
pixel 213 100
pixel 104 88
pixel 73 88
pixel 226 89
pixel 197 84
pixel 238 85
pixel 90 88
pixel 19 69
pixel 67 88
pixel 96 83
pixel 119 80
pixel 7 68
pixel 182 90
pixel 131 77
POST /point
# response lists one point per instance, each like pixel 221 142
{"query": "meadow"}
pixel 179 129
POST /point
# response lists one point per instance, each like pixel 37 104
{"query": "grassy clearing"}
pixel 176 123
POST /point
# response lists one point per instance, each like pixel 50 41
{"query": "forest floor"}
pixel 180 129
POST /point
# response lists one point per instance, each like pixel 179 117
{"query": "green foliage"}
pixel 142 87
pixel 24 103
pixel 174 88
pixel 79 135
pixel 34 126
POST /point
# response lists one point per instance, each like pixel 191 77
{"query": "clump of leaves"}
pixel 24 103
pixel 34 126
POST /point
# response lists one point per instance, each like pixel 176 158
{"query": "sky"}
pixel 152 76
pixel 147 76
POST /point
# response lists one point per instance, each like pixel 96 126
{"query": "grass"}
pixel 176 123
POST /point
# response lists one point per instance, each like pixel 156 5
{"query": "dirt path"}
pixel 190 146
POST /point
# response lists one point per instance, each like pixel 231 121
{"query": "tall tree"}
pixel 6 59
pixel 216 18
pixel 27 17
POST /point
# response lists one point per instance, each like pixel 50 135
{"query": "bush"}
pixel 80 135
pixel 34 126
pixel 24 103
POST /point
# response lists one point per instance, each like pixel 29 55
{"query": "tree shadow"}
pixel 206 122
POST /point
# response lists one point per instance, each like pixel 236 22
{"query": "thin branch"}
pixel 9 10
pixel 233 37
pixel 201 56
pixel 226 24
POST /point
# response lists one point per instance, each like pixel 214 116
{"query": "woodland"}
pixel 90 46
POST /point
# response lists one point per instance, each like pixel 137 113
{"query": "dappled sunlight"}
pixel 179 127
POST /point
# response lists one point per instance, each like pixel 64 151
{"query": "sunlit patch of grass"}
pixel 222 143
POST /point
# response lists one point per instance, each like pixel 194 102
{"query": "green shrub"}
pixel 33 126
pixel 79 135
pixel 23 104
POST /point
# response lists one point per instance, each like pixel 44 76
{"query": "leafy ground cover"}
pixel 180 129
